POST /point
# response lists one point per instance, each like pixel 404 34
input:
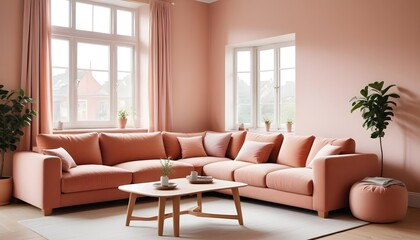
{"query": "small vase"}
pixel 164 181
pixel 267 127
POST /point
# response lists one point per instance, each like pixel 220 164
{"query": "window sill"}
pixel 262 130
pixel 106 130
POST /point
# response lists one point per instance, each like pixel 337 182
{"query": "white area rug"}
pixel 262 220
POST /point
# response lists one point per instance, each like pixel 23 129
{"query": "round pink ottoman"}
pixel 378 204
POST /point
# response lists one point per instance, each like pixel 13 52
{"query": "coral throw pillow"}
pixel 326 150
pixel 274 138
pixel 295 150
pixel 192 147
pixel 67 161
pixel 216 144
pixel 172 147
pixel 254 152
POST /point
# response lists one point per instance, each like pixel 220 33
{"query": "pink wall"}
pixel 11 13
pixel 341 46
pixel 190 65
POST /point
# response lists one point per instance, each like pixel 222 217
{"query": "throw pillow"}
pixel 192 147
pixel 67 161
pixel 274 138
pixel 326 150
pixel 172 147
pixel 235 144
pixel 295 150
pixel 254 152
pixel 216 144
pixel 348 146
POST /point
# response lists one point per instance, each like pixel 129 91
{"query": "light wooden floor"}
pixel 409 228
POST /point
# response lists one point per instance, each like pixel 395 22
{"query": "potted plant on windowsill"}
pixel 122 118
pixel 14 115
pixel 289 125
pixel 376 107
pixel 267 123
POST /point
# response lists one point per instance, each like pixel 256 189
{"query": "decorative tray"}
pixel 159 186
pixel 201 179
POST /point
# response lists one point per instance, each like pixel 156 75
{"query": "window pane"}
pixel 101 19
pixel 124 23
pixel 267 96
pixel 287 57
pixel 243 61
pixel 266 60
pixel 93 84
pixel 125 78
pixel 60 79
pixel 287 100
pixel 92 56
pixel 244 98
pixel 60 12
pixel 84 16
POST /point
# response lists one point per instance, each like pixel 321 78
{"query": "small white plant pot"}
pixel 164 180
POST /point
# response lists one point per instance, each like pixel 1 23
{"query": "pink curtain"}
pixel 160 76
pixel 36 67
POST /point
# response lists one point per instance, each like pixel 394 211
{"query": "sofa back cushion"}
pixel 348 146
pixel 294 150
pixel 172 147
pixel 275 138
pixel 84 148
pixel 124 147
pixel 237 139
pixel 216 144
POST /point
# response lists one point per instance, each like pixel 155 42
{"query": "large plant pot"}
pixel 5 190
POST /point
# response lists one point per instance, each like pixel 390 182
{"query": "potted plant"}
pixel 14 115
pixel 289 125
pixel 376 106
pixel 267 123
pixel 166 170
pixel 122 118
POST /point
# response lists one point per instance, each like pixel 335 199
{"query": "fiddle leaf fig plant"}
pixel 14 115
pixel 376 105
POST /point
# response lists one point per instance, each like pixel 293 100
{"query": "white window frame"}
pixel 112 40
pixel 231 122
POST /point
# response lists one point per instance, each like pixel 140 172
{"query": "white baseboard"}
pixel 414 199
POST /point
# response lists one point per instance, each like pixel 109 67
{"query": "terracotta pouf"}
pixel 378 204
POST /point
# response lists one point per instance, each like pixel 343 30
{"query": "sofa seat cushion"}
pixel 254 175
pixel 224 170
pixel 90 177
pixel 293 180
pixel 151 170
pixel 123 147
pixel 199 162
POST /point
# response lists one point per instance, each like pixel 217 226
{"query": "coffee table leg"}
pixel 235 193
pixel 161 215
pixel 176 207
pixel 131 203
pixel 200 201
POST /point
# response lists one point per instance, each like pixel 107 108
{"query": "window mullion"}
pixel 73 83
pixel 254 87
pixel 278 86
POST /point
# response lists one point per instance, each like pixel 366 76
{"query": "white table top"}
pixel 184 187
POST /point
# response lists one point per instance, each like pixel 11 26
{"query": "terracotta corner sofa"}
pixel 288 169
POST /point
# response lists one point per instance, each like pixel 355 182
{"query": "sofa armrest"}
pixel 334 175
pixel 37 179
